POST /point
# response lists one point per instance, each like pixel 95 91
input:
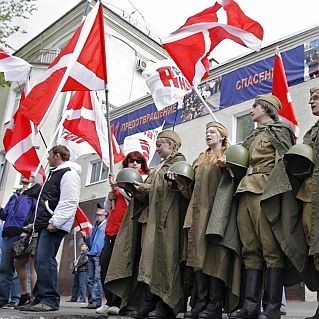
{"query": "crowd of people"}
pixel 229 231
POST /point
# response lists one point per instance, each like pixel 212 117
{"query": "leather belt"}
pixel 259 170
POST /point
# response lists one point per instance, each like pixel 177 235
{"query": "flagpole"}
pixel 74 240
pixel 195 88
pixel 50 143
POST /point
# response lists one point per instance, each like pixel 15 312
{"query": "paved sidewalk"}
pixel 73 310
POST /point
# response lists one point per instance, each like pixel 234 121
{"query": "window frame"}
pixel 90 171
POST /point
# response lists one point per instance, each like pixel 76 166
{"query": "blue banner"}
pixel 247 82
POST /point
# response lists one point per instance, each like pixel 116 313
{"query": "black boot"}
pixel 274 284
pixel 251 306
pixel 148 305
pixel 214 309
pixel 162 311
pixel 202 282
pixel 316 315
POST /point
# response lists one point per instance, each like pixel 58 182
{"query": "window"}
pixel 13 104
pixel 99 171
pixel 244 125
pixel 3 163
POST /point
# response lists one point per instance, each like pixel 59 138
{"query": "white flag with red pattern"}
pixel 85 119
pixel 82 222
pixel 81 66
pixel 191 45
pixel 14 68
pixel 18 143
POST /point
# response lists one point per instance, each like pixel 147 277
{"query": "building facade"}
pixel 229 91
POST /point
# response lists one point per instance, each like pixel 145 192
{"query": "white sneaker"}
pixel 113 310
pixel 103 309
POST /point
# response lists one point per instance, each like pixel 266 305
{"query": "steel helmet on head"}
pixel 128 175
pixel 183 169
pixel 300 159
pixel 237 155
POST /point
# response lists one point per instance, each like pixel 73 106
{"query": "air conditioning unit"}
pixel 141 64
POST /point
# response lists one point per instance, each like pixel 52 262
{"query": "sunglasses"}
pixel 132 160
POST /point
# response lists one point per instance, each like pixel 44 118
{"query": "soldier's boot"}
pixel 316 315
pixel 253 286
pixel 148 305
pixel 202 284
pixel 214 309
pixel 274 284
pixel 162 311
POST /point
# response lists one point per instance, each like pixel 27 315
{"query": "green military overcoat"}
pixel 163 241
pixel 280 206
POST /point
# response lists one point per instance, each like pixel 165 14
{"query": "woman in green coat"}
pixel 210 262
pixel 160 266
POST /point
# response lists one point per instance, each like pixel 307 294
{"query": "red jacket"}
pixel 116 215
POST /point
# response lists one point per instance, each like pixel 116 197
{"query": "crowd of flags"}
pixel 81 68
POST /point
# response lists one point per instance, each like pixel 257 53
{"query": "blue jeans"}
pixel 79 286
pixel 94 284
pixel 46 266
pixel 9 284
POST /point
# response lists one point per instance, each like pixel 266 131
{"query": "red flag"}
pixel 190 45
pixel 280 89
pixel 18 143
pixel 81 65
pixel 85 119
pixel 81 222
pixel 14 68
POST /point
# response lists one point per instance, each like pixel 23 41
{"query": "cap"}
pixel 100 205
pixel 172 135
pixel 271 99
pixel 314 90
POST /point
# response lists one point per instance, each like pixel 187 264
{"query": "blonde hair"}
pixel 212 156
pixel 169 141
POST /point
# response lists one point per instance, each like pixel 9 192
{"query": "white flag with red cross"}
pixel 14 68
pixel 191 45
pixel 81 66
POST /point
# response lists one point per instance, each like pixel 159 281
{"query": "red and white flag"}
pixel 166 82
pixel 143 142
pixel 18 143
pixel 118 155
pixel 82 222
pixel 81 66
pixel 14 68
pixel 75 144
pixel 85 119
pixel 191 44
pixel 280 89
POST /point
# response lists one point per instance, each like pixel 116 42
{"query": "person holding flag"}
pixel 267 213
pixel 122 200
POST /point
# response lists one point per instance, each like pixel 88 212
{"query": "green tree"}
pixel 10 13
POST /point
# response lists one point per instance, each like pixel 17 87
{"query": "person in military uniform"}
pixel 211 263
pixel 308 194
pixel 267 212
pixel 162 237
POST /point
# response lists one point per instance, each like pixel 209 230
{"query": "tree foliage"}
pixel 11 12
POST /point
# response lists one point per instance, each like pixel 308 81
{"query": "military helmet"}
pixel 237 155
pixel 300 159
pixel 183 169
pixel 128 175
